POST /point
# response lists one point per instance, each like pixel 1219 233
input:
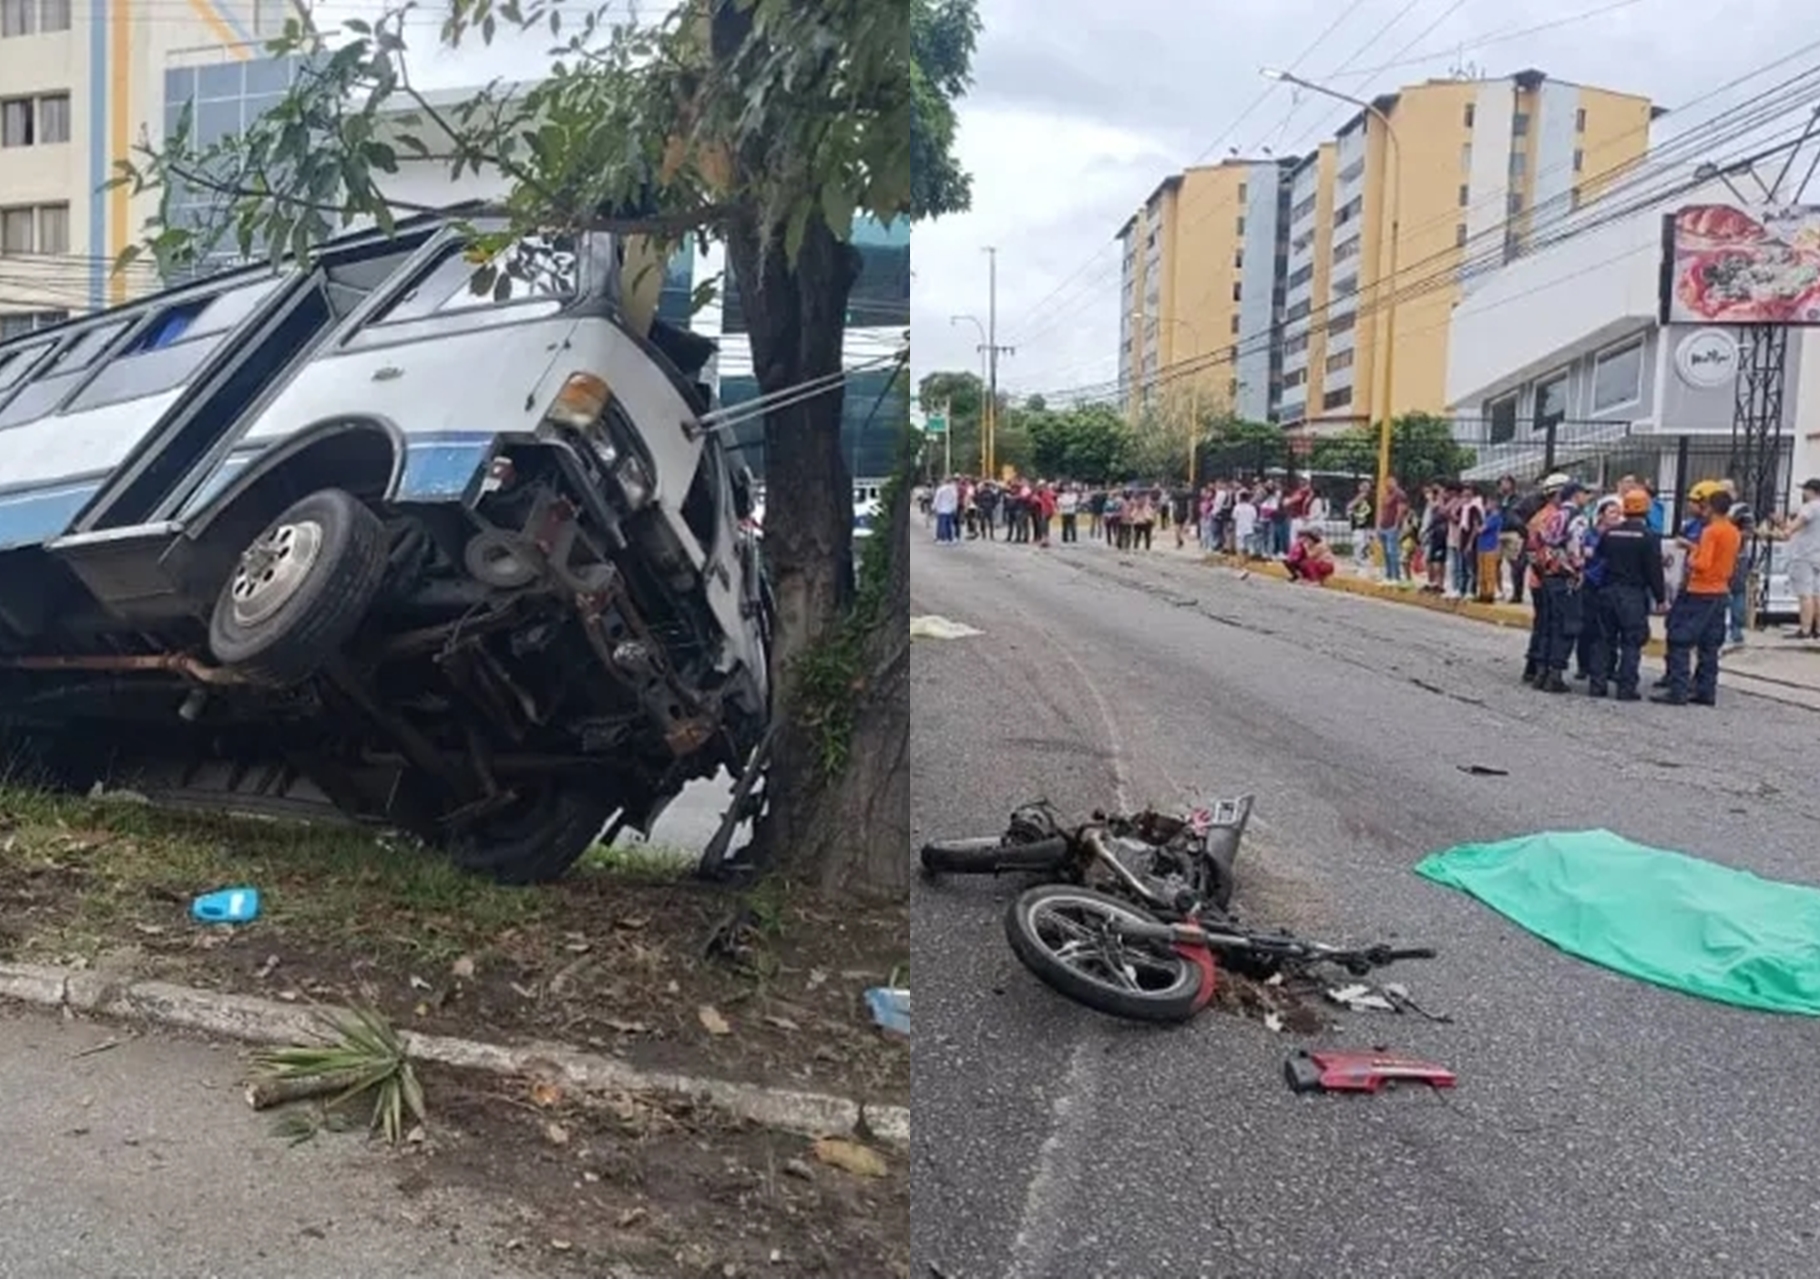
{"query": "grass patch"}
pixel 96 871
pixel 649 863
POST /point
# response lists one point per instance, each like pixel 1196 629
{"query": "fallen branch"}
pixel 275 1091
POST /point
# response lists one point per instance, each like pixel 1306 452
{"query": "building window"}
pixel 1241 224
pixel 1301 276
pixel 16 119
pixel 28 122
pixel 1573 198
pixel 1551 403
pixel 1618 377
pixel 53 118
pixel 1242 191
pixel 1519 164
pixel 1238 260
pixel 1337 399
pixel 1297 310
pixel 1501 416
pixel 1579 160
pixel 18 17
pixel 1351 172
pixel 1459 235
pixel 1347 249
pixel 19 323
pixel 1342 360
pixel 1580 120
pixel 1348 211
pixel 1232 388
pixel 1346 288
pixel 1342 324
pixel 54 15
pixel 1304 209
pixel 1235 324
pixel 1469 114
pixel 1238 288
pixel 1515 203
pixel 1295 377
pixel 53 228
pixel 1519 124
pixel 1466 157
pixel 16 227
pixel 1465 194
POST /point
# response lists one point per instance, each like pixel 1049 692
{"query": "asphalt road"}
pixel 143 1159
pixel 1602 1127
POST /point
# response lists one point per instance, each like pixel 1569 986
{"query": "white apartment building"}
pixel 1571 339
pixel 80 82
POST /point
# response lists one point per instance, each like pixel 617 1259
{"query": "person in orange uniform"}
pixel 1696 620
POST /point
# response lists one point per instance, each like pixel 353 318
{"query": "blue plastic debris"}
pixel 226 906
pixel 890 1008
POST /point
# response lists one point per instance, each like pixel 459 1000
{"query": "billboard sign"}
pixel 1741 264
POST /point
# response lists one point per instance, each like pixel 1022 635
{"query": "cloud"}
pixel 1081 107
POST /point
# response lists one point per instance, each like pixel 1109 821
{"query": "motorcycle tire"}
pixel 1180 986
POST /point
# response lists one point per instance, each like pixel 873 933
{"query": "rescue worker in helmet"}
pixel 1535 661
pixel 1631 584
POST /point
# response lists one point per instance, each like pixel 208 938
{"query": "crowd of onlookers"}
pixel 1596 565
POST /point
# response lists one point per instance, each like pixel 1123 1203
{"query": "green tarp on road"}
pixel 1676 921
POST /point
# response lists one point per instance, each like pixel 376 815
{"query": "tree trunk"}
pixel 845 832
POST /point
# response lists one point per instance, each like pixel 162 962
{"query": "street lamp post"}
pixel 1194 392
pixel 985 444
pixel 1390 203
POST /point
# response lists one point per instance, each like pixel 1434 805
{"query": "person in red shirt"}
pixel 1696 620
pixel 1310 559
pixel 1042 510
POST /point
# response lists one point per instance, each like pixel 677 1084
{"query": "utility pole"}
pixel 992 350
pixel 947 438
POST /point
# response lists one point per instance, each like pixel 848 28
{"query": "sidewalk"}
pixel 1766 658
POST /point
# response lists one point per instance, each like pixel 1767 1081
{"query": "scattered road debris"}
pixel 227 906
pixel 890 1009
pixel 1398 994
pixel 1358 1071
pixel 1360 998
pixel 1273 1021
pixel 855 1158
pixel 1483 770
pixel 933 627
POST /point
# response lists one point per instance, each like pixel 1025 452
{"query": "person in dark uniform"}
pixel 1535 659
pixel 1696 621
pixel 1629 562
pixel 1607 512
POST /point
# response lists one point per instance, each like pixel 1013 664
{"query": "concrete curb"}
pixel 1497 615
pixel 260 1021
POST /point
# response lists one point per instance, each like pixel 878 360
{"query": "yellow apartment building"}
pixel 1469 170
pixel 1201 269
pixel 80 82
pixel 1285 265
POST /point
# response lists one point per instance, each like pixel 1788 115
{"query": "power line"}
pixel 1602 213
pixel 1692 136
pixel 1211 147
pixel 1060 313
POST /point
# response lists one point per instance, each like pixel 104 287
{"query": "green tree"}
pixel 1234 446
pixel 765 124
pixel 1422 449
pixel 965 395
pixel 1085 442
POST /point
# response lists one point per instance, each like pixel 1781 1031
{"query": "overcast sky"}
pixel 1081 107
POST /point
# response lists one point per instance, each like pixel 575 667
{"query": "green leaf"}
pixel 837 208
pixel 359 25
pixel 414 143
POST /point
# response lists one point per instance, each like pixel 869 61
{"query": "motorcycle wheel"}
pixel 1061 934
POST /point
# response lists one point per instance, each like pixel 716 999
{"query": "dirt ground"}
pixel 627 957
pixel 651 1187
